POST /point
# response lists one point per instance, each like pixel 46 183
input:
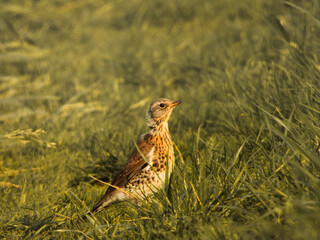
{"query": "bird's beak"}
pixel 175 103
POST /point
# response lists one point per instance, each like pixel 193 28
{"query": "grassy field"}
pixel 76 78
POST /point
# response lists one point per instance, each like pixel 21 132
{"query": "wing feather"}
pixel 135 165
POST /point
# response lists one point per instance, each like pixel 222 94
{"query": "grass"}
pixel 77 77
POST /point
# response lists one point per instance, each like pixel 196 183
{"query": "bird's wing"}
pixel 135 164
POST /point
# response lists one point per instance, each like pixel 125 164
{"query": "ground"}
pixel 77 77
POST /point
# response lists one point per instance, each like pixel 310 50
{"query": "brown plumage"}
pixel 139 178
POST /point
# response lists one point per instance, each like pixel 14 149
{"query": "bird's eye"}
pixel 162 105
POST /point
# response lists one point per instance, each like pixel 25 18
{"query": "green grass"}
pixel 77 77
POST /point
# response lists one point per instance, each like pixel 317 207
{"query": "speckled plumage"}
pixel 139 177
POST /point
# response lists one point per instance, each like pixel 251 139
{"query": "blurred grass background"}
pixel 76 78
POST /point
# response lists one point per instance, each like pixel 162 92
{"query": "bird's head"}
pixel 160 111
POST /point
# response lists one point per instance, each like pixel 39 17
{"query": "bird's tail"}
pixel 96 209
pixel 103 203
pixel 90 214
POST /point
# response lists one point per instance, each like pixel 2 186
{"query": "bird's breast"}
pixel 162 152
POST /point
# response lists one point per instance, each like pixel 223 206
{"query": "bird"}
pixel 145 172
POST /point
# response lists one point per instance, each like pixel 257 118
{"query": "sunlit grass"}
pixel 76 79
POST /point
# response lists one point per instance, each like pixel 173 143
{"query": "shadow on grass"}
pixel 102 163
pixel 30 225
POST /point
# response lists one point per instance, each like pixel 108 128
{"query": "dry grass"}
pixel 76 79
